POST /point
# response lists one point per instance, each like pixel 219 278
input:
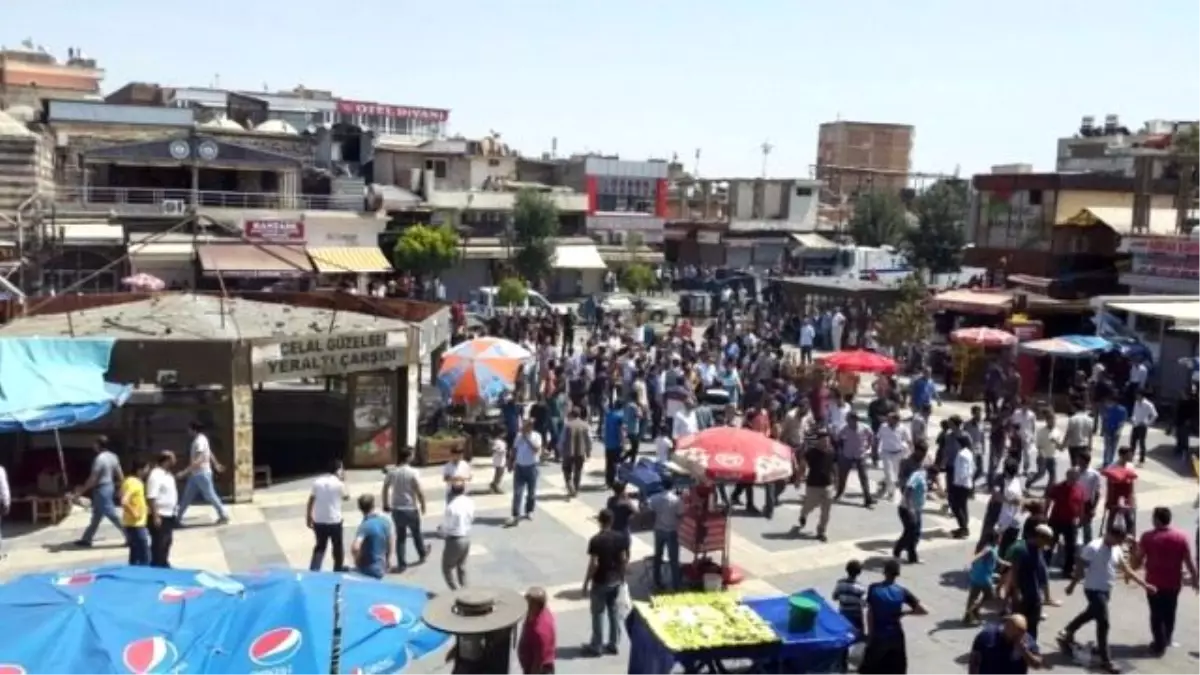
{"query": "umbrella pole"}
pixel 335 659
pixel 62 460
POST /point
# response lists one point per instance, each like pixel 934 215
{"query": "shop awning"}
pixel 84 234
pixel 1185 311
pixel 577 257
pixel 349 259
pixel 470 252
pixel 813 242
pixel 254 260
pixel 977 302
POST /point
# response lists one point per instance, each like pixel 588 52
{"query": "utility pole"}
pixel 766 148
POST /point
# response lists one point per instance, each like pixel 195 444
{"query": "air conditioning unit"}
pixel 174 207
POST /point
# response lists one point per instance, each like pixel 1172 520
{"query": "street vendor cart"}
pixel 820 645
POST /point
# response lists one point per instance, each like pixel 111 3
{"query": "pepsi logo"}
pixel 386 615
pixel 275 647
pixel 150 656
pixel 11 669
pixel 79 579
pixel 171 594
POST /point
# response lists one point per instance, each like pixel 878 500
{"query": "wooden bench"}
pixel 262 476
pixel 46 508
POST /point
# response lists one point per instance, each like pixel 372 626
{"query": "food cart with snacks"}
pixel 720 632
pixel 704 530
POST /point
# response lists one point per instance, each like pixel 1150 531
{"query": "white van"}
pixel 482 301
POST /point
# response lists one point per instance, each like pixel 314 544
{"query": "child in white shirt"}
pixel 499 458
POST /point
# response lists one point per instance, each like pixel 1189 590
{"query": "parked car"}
pixel 657 310
pixel 482 302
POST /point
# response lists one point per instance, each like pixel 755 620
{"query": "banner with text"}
pixel 326 355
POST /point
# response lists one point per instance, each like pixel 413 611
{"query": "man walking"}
pixel 162 497
pixel 668 509
pixel 324 517
pixel 895 441
pixel 1112 421
pixel 577 448
pixel 1144 415
pixel 1101 561
pixel 818 471
pixel 523 462
pixel 608 557
pixel 403 497
pixel 101 486
pixel 456 528
pixel 199 475
pixel 912 503
pixel 960 484
pixel 1164 552
pixel 853 441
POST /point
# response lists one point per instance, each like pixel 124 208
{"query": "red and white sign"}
pixel 1177 246
pixel 274 230
pixel 394 111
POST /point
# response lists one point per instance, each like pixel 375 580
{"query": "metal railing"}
pixel 166 199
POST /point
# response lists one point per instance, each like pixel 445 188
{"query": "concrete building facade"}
pixel 853 156
pixel 29 74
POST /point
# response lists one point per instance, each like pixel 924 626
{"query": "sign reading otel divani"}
pixel 326 355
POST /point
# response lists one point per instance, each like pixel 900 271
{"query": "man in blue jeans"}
pixel 1113 416
pixel 523 462
pixel 403 497
pixel 667 508
pixel 101 486
pixel 199 476
pixel 608 557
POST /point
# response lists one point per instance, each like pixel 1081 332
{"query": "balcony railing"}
pixel 170 201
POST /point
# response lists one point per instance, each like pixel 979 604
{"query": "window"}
pixel 437 166
pixel 803 192
pixel 493 162
pixel 1035 197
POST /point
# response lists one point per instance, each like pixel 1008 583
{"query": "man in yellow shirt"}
pixel 134 512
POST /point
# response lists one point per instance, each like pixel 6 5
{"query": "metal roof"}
pixel 185 316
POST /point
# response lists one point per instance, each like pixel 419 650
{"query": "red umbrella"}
pixel 734 455
pixel 859 361
pixel 984 337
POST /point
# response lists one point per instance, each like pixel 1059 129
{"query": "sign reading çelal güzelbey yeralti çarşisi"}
pixel 325 355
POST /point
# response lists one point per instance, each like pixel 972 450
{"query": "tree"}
pixel 425 249
pixel 908 320
pixel 535 223
pixel 512 291
pixel 878 220
pixel 1186 141
pixel 637 278
pixel 936 243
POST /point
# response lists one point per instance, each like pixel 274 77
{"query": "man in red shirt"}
pixel 1118 493
pixel 1164 552
pixel 1067 501
pixel 538 642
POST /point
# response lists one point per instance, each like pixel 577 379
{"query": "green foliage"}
pixel 878 220
pixel 637 278
pixel 936 243
pixel 1187 141
pixel 535 223
pixel 512 291
pixel 425 249
pixel 908 320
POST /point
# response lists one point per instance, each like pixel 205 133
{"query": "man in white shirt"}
pixel 456 530
pixel 324 517
pixel 836 410
pixel 5 505
pixel 523 463
pixel 1026 422
pixel 837 326
pixel 1100 562
pixel 199 476
pixel 162 497
pixel 1078 436
pixel 456 469
pixel 807 335
pixel 685 421
pixel 959 486
pixel 1144 414
pixel 1047 443
pixel 895 443
pixel 1012 495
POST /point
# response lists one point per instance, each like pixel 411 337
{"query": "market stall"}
pixel 722 455
pixel 969 357
pixel 714 632
pixel 1072 347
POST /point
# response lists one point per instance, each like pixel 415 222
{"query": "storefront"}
pixel 83 259
pixel 251 266
pixel 578 270
pixel 1162 265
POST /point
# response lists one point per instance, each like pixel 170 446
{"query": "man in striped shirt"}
pixel 848 593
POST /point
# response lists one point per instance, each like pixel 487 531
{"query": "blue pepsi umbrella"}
pixel 147 620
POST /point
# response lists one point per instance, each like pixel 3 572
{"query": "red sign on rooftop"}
pixel 394 111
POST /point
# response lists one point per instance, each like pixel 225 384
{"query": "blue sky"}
pixel 984 83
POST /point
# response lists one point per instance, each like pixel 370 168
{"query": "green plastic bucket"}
pixel 802 614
